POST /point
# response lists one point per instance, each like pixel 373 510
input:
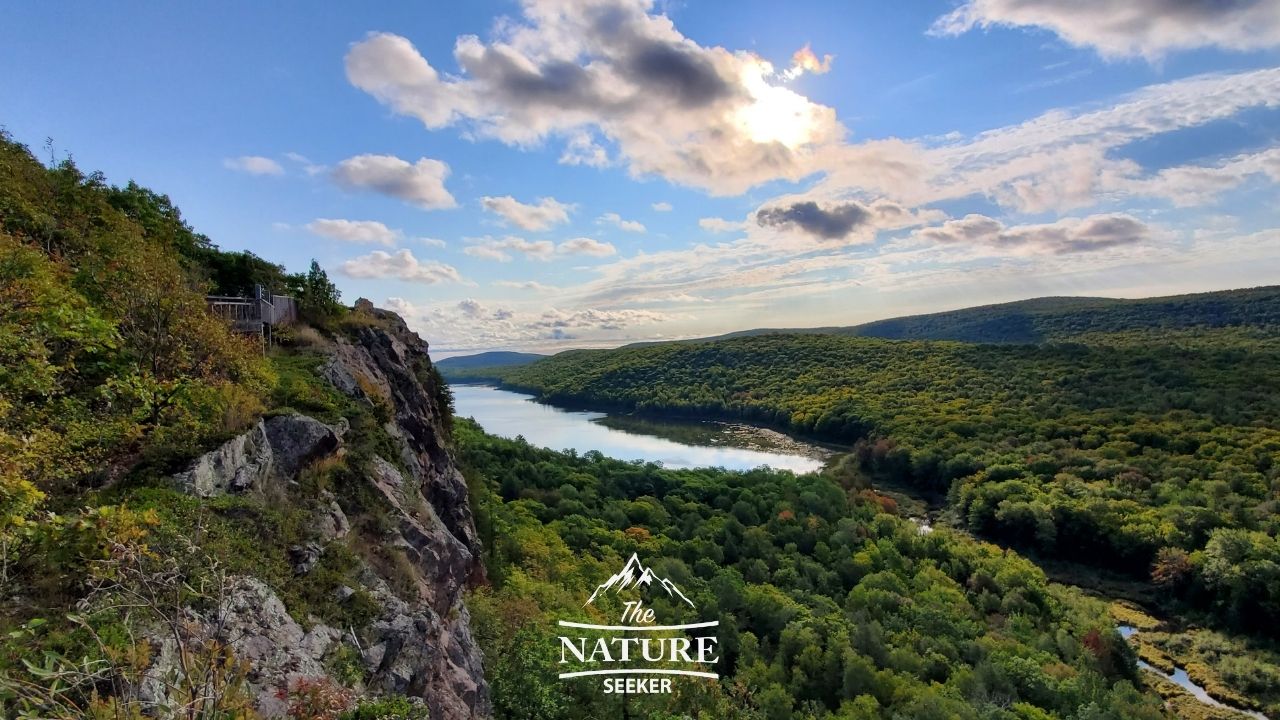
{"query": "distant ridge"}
pixel 486 359
pixel 635 574
pixel 1046 319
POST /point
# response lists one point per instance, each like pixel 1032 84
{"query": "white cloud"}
pixel 476 323
pixel 400 265
pixel 582 149
pixel 308 167
pixel 720 225
pixel 539 216
pixel 524 285
pixel 355 231
pixel 701 116
pixel 595 319
pixel 432 242
pixel 500 249
pixel 662 207
pixel 1189 185
pixel 616 220
pixel 586 246
pixel 713 118
pixel 253 165
pixel 1147 28
pixel 1060 160
pixel 420 183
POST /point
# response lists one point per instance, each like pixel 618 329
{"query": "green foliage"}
pixel 107 354
pixel 388 708
pixel 1070 318
pixel 1102 454
pixel 828 606
pixel 318 297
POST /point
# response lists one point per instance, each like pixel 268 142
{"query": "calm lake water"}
pixel 675 444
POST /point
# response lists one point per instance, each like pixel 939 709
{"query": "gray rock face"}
pixel 420 653
pixel 297 440
pixel 240 464
pixel 253 622
pixel 422 646
pixel 420 643
pixel 444 561
pixel 277 447
pixel 259 629
pixel 388 365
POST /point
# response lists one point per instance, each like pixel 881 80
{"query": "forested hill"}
pixel 1064 318
pixel 486 359
pixel 191 525
pixel 1122 455
pixel 1048 319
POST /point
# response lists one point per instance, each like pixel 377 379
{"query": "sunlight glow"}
pixel 776 114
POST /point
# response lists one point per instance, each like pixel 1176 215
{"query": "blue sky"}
pixel 501 173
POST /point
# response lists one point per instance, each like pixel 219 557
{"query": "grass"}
pixel 1184 705
pixel 1127 613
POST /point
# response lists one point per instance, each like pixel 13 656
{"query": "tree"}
pixel 319 298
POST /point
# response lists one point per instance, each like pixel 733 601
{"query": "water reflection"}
pixel 675 444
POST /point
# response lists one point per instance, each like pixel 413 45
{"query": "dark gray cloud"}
pixel 559 84
pixel 831 223
pixel 1064 237
pixel 685 76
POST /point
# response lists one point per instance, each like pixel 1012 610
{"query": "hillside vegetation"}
pixel 113 375
pixel 829 607
pixel 1151 452
pixel 1058 319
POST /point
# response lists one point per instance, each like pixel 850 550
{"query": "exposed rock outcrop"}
pixel 445 562
pixel 297 441
pixel 422 646
pixel 387 365
pixel 276 447
pixel 446 671
pixel 240 464
pixel 251 619
pixel 419 642
pixel 277 648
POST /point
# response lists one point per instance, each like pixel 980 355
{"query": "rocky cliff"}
pixel 406 510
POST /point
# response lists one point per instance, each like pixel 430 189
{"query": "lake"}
pixel 674 443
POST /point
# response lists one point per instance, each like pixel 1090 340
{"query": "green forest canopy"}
pixel 1146 451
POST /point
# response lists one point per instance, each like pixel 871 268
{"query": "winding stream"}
pixel 1180 678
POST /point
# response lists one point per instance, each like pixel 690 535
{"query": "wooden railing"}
pixel 256 315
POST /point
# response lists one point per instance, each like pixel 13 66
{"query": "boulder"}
pixel 239 465
pixel 277 447
pixel 298 440
pixel 303 558
pixel 330 522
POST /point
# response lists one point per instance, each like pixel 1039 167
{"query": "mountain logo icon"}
pixel 635 575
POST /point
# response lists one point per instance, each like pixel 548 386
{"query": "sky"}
pixel 548 174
